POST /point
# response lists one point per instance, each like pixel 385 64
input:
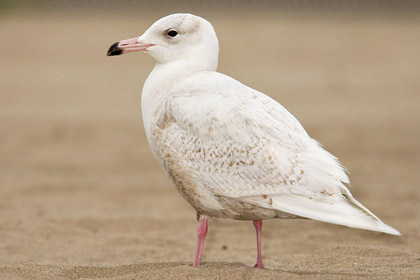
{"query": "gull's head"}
pixel 177 37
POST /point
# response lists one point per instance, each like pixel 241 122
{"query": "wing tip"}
pixel 390 230
pixel 381 227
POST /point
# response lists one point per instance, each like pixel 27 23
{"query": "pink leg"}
pixel 201 232
pixel 258 227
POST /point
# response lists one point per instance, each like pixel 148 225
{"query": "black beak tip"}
pixel 114 50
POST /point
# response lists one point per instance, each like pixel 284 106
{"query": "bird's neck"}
pixel 165 76
pixel 182 68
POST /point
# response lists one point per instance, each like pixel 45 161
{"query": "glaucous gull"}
pixel 231 151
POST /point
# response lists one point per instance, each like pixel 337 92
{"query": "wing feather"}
pixel 262 147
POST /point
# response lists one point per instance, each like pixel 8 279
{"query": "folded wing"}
pixel 240 144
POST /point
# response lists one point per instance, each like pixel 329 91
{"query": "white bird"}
pixel 231 151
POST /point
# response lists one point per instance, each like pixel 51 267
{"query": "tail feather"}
pixel 342 210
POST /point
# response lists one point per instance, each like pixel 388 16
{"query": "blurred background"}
pixel 81 195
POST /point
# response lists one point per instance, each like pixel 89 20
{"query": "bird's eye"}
pixel 172 33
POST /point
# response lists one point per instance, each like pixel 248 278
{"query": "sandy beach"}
pixel 83 198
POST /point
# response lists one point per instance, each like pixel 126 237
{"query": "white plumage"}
pixel 231 151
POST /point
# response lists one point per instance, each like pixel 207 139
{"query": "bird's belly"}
pixel 185 178
pixel 240 210
pixel 206 203
pixel 181 173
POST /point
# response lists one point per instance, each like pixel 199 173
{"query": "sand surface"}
pixel 82 197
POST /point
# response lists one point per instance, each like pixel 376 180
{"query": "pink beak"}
pixel 127 46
